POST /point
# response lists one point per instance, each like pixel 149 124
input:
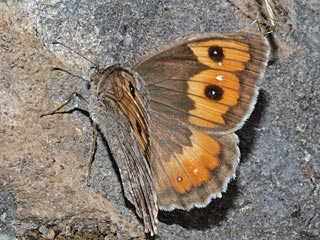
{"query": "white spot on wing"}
pixel 219 77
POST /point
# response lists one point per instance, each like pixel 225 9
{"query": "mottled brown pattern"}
pixel 116 112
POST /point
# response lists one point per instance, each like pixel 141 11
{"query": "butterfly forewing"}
pixel 199 84
pixel 206 71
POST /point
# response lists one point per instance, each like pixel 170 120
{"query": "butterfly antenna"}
pixel 121 18
pixel 240 10
pixel 70 73
pixel 118 57
pixel 72 50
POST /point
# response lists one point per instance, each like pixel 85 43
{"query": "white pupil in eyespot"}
pixel 219 77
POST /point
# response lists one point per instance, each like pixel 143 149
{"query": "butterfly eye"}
pixel 138 127
pixel 132 90
pixel 214 92
pixel 216 53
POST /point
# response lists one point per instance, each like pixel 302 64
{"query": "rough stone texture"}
pixel 43 192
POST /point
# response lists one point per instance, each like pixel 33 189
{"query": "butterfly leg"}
pixel 94 126
pixel 66 102
pixel 93 151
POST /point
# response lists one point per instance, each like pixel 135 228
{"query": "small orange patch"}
pixel 227 79
pixel 207 142
pixel 178 177
pixel 235 54
pixel 227 65
pixel 192 167
pixel 201 122
pixel 222 43
pixel 195 171
pixel 230 96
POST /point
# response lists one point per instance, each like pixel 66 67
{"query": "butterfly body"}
pixel 170 118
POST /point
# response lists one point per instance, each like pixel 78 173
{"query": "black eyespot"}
pixel 132 90
pixel 214 92
pixel 138 127
pixel 216 53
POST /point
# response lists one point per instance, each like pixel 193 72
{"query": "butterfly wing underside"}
pixel 120 109
pixel 201 89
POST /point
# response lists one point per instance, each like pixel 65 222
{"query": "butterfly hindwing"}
pixel 189 167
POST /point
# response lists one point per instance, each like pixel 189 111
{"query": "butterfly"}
pixel 169 118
